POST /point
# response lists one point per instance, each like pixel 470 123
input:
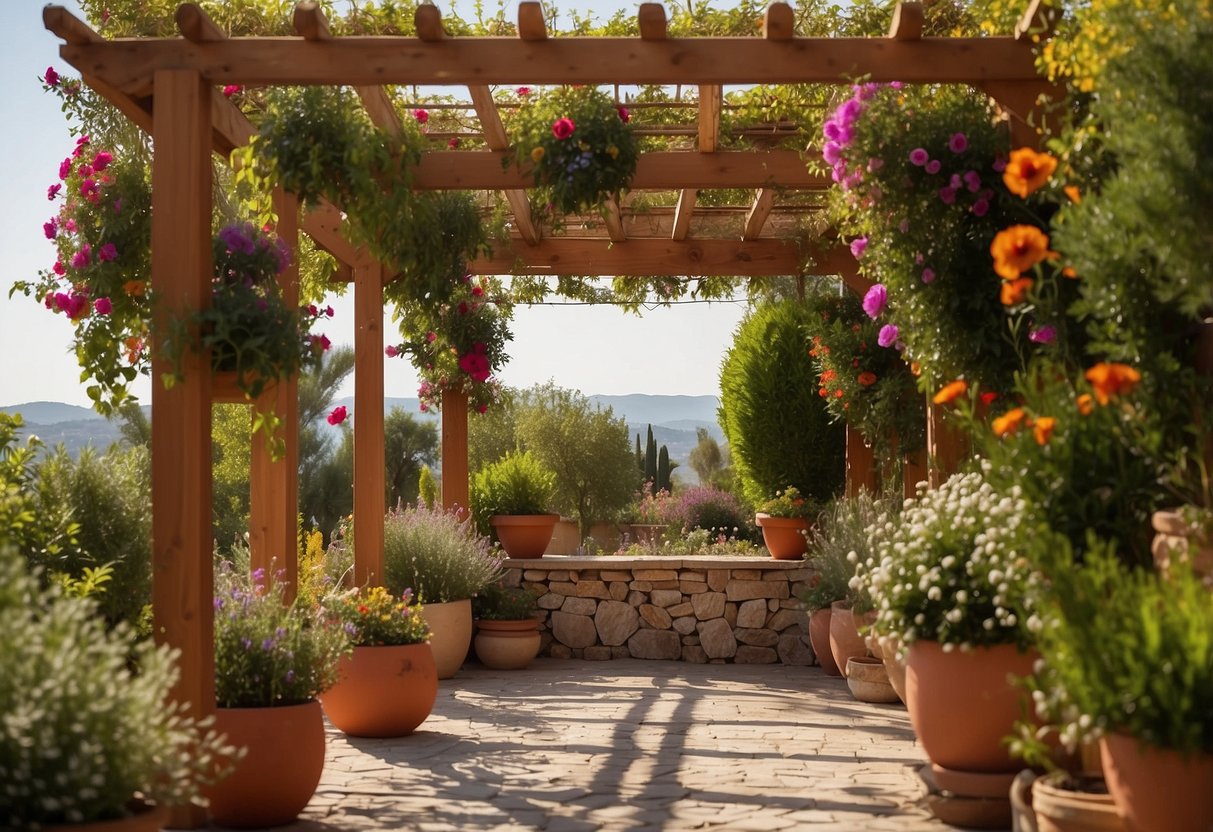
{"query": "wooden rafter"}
pixel 779 22
pixel 531 25
pixel 495 137
pixel 683 213
pixel 907 22
pixel 612 217
pixel 756 218
pixel 651 19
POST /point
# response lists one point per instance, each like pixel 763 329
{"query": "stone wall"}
pixel 719 610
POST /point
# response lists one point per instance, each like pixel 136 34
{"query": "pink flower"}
pixel 421 115
pixel 562 128
pixel 102 160
pixel 337 416
pixel 312 310
pixel 1000 164
pixel 70 225
pixel 875 301
pixel 875 164
pixel 50 229
pixel 958 143
pixel 947 195
pixel 453 142
pixel 65 168
pixel 972 181
pixel 482 408
pixel 831 152
pixel 933 166
pixel 523 92
pixel 624 115
pixel 431 337
pixel 51 77
pixel 103 306
pixel 980 208
pixel 476 365
pixel 53 191
pixel 858 246
pixel 83 257
pixel 1043 335
pixel 59 268
pixel 328 312
pixel 86 171
pixel 232 89
pixel 919 157
pixel 321 343
pixel 80 145
pixel 928 275
pixel 887 336
pixel 90 191
pixel 391 351
pixel 107 252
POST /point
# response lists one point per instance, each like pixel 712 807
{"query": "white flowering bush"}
pixel 947 569
pixel 85 717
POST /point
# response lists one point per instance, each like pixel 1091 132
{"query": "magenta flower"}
pixel 391 351
pixel 431 336
pixel 51 77
pixel 83 257
pixel 887 336
pixel 919 157
pixel 523 92
pixel 1000 164
pixel 875 164
pixel 875 301
pixel 59 268
pixel 972 181
pixel 453 142
pixel 53 191
pixel 90 191
pixel 624 115
pixel 312 310
pixel 1043 335
pixel 831 130
pixel 118 205
pixel 933 166
pixel 563 127
pixel 232 89
pixel 81 143
pixel 107 252
pixel 337 416
pixel 422 116
pixel 328 312
pixel 86 170
pixel 980 208
pixel 321 343
pixel 947 195
pixel 858 246
pixel 102 160
pixel 928 275
pixel 50 229
pixel 103 306
pixel 65 168
pixel 831 152
pixel 958 143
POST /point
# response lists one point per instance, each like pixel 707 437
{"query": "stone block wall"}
pixel 718 610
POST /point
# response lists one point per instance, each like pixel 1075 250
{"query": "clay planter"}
pixel 281 770
pixel 786 538
pixel 1083 806
pixel 1158 789
pixel 895 666
pixel 819 637
pixel 507 645
pixel 524 535
pixel 384 691
pixel 845 640
pixel 450 634
pixel 963 703
pixel 1175 538
pixel 143 818
pixel 868 681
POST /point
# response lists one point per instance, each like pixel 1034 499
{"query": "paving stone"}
pixel 752 613
pixel 574 630
pixel 804 573
pixel 618 590
pixel 592 589
pixel 665 597
pixel 685 625
pixel 747 654
pixel 559 575
pixel 657 617
pixel 708 605
pixel 620 651
pixel 562 587
pixel 641 586
pixel 559 651
pixel 745 590
pixel 655 574
pixel 655 644
pixel 692 575
pixel 791 604
pixel 665 584
pixel 717 639
pixel 694 654
pixel 772 604
pixel 730 614
pixel 534 574
pixel 615 622
pixel 718 579
pixel 746 574
pixel 635 598
pixel 757 637
pixel 692 641
pixel 579 606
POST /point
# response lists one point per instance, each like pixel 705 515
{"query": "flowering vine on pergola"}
pixel 172 88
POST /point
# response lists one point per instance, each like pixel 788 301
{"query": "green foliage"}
pixel 268 653
pixel 372 617
pixel 326 464
pixel 38 529
pixel 836 544
pixel 695 543
pixel 663 469
pixel 89 716
pixel 493 434
pixel 434 554
pixel 650 461
pixel 518 483
pixel 231 460
pixel 778 429
pixel 427 488
pixel 789 503
pixel 409 445
pixel 706 458
pixel 501 603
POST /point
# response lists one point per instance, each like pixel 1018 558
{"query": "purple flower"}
pixel 933 167
pixel 107 252
pixel 831 152
pixel 947 195
pixel 1000 164
pixel 50 228
pixel 919 157
pixel 1043 335
pixel 928 275
pixel 103 306
pixel 850 111
pixel 887 336
pixel 53 191
pixel 831 130
pixel 246 642
pixel 290 676
pixel 958 143
pixel 858 246
pixel 980 208
pixel 875 301
pixel 972 181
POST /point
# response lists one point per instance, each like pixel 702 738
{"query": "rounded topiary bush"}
pixel 777 425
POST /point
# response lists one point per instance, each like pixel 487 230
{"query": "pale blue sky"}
pixel 594 349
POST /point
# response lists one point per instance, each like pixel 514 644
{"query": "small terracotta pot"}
pixel 384 691
pixel 962 704
pixel 786 538
pixel 524 535
pixel 450 634
pixel 1157 789
pixel 281 770
pixel 507 645
pixel 819 637
pixel 845 640
pixel 868 681
pixel 143 818
pixel 1060 808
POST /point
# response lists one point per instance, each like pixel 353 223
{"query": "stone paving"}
pixel 575 746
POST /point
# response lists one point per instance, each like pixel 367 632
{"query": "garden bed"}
pixel 694 609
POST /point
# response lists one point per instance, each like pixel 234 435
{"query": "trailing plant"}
pixel 503 603
pixel 518 483
pixel 373 617
pixel 836 544
pixel 435 554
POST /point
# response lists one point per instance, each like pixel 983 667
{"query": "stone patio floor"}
pixel 573 746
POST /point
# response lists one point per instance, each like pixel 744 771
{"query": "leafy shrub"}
pixel 839 541
pixel 696 543
pixel 518 483
pixel 712 509
pixel 503 603
pixel 38 528
pixel 436 555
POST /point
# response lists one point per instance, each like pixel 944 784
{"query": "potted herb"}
pixel 514 494
pixel 785 520
pixel 507 632
pixel 272 661
pixel 389 682
pixel 89 721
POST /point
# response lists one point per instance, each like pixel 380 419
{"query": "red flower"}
pixel 624 115
pixel 453 143
pixel 52 77
pixel 421 115
pixel 523 92
pixel 232 89
pixel 988 397
pixel 867 379
pixel 562 128
pixel 337 416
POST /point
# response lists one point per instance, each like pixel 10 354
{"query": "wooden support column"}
pixel 455 450
pixel 182 579
pixel 274 486
pixel 369 493
pixel 913 471
pixel 861 464
pixel 947 447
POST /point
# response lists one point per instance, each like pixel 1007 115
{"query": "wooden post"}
pixel 947 447
pixel 369 492
pixel 274 486
pixel 182 579
pixel 455 450
pixel 861 464
pixel 913 471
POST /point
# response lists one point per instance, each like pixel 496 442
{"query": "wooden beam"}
pixel 644 256
pixel 362 61
pixel 370 496
pixel 196 26
pixel 428 22
pixel 497 140
pixel 1021 103
pixel 907 21
pixel 310 23
pixel 323 225
pixel 1036 22
pixel 683 214
pixel 651 17
pixel 67 27
pixel 861 465
pixel 531 25
pixel 756 218
pixel 379 107
pixel 182 579
pixel 613 219
pixel 711 100
pixel 455 486
pixel 779 23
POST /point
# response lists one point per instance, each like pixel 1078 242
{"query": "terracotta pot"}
pixel 1175 538
pixel 845 640
pixel 143 818
pixel 786 538
pixel 963 703
pixel 819 637
pixel 895 666
pixel 524 535
pixel 1157 789
pixel 384 691
pixel 868 681
pixel 507 645
pixel 450 634
pixel 280 771
pixel 1061 807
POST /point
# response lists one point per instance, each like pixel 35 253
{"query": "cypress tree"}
pixel 650 462
pixel 663 469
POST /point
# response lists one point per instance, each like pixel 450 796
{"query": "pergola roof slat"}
pixel 651 18
pixel 310 23
pixel 779 22
pixel 531 25
pixel 495 137
pixel 195 25
pixel 756 217
pixel 907 21
pixel 683 213
pixel 427 19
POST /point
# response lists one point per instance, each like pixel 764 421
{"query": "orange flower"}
pixel 951 392
pixel 1016 291
pixel 1009 422
pixel 1110 379
pixel 867 379
pixel 133 288
pixel 1085 404
pixel 1069 272
pixel 915 369
pixel 1073 193
pixel 1019 248
pixel 134 347
pixel 1028 171
pixel 1043 429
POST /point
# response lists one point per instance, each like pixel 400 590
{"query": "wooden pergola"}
pixel 170 87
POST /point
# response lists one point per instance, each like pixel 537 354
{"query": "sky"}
pixel 599 350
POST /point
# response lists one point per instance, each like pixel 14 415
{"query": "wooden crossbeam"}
pixel 779 23
pixel 907 21
pixel 613 219
pixel 651 17
pixel 196 26
pixel 756 217
pixel 495 137
pixel 67 27
pixel 531 25
pixel 683 213
pixel 427 19
pixel 379 107
pixel 310 23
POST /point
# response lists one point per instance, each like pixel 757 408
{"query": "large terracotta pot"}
pixel 507 645
pixel 384 691
pixel 845 640
pixel 279 773
pixel 786 538
pixel 450 634
pixel 143 818
pixel 1059 809
pixel 962 704
pixel 819 637
pixel 1157 789
pixel 895 665
pixel 524 535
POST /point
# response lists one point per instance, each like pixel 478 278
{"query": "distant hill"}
pixel 50 413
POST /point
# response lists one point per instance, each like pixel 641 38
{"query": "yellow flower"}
pixel 612 151
pixel 537 154
pixel 1028 171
